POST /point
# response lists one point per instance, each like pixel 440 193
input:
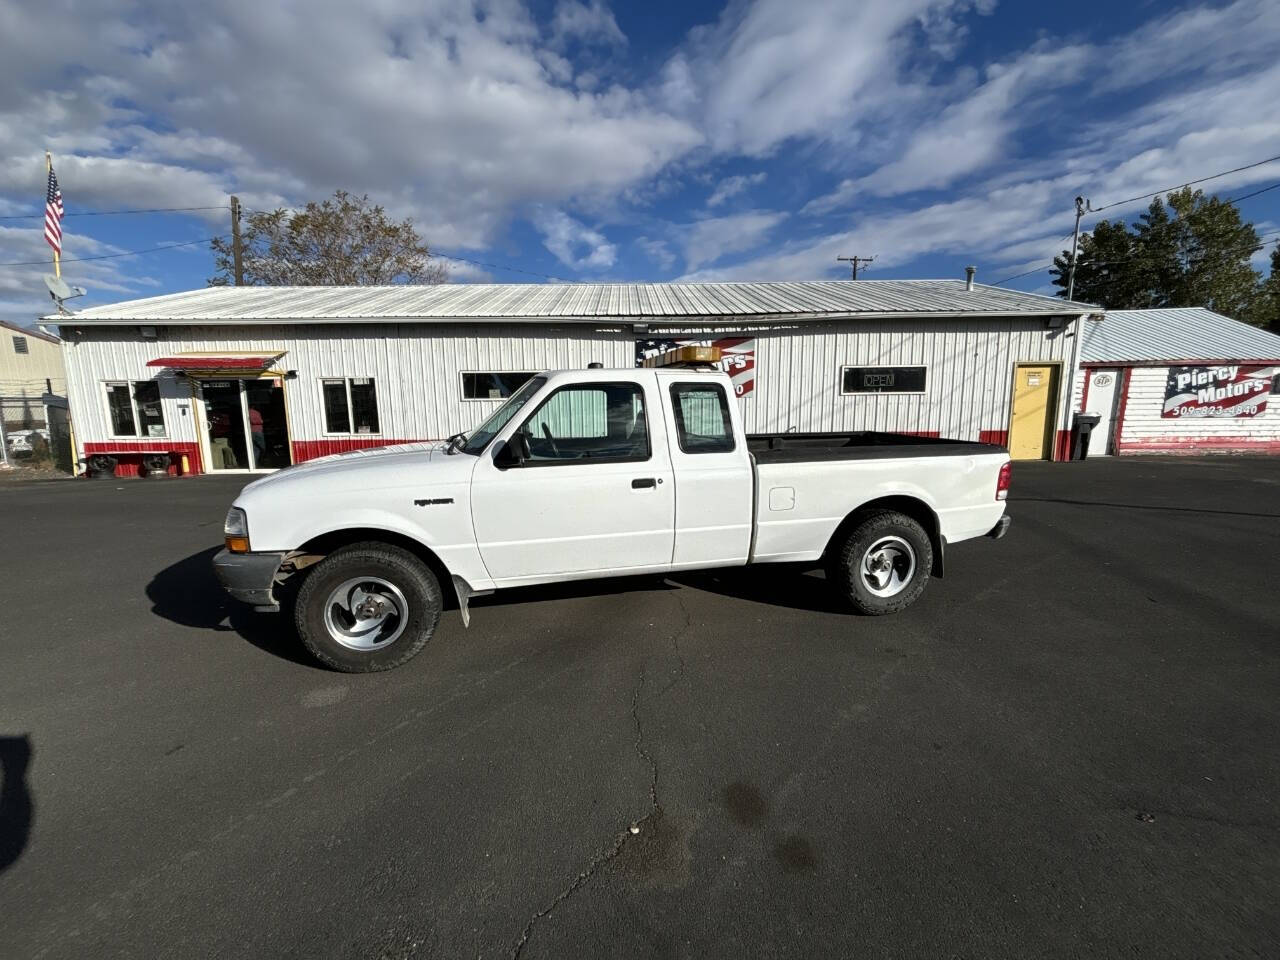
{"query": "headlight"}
pixel 235 531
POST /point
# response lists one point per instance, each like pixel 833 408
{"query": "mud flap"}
pixel 465 593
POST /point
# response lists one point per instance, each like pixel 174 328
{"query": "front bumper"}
pixel 1001 527
pixel 249 576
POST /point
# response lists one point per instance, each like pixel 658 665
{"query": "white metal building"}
pixel 229 378
pixel 1179 380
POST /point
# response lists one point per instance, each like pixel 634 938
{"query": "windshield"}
pixel 481 436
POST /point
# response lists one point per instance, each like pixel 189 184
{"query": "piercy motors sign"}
pixel 1226 391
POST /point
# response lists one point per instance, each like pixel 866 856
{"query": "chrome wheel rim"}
pixel 366 613
pixel 888 566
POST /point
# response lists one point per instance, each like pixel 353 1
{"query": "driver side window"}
pixel 597 422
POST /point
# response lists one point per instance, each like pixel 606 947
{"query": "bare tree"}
pixel 345 240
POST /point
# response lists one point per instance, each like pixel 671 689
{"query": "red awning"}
pixel 216 361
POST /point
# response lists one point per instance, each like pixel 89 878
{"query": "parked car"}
pixel 22 442
pixel 596 473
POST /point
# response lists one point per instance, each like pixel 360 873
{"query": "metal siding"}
pixel 970 366
pixel 416 368
pixel 1145 429
pixel 580 301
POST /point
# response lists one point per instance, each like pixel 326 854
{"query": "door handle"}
pixel 643 482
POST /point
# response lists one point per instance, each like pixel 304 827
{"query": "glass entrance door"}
pixel 246 424
pixel 268 431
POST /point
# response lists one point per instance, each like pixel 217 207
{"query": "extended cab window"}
pixel 702 417
pixel 589 421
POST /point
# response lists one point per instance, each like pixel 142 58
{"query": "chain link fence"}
pixel 35 431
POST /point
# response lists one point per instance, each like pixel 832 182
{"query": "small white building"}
pixel 1179 380
pixel 256 378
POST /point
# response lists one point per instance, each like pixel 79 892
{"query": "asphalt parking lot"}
pixel 1070 747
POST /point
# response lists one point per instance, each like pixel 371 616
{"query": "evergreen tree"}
pixel 1187 250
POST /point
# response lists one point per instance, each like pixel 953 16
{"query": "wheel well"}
pixel 326 543
pixel 917 510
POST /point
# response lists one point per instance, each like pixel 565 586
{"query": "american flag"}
pixel 53 214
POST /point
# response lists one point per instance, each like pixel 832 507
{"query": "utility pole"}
pixel 853 263
pixel 1082 207
pixel 237 252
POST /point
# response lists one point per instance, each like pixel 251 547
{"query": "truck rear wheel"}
pixel 883 564
pixel 367 607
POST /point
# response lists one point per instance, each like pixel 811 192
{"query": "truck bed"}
pixel 861 445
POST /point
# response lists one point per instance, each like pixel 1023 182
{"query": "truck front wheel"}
pixel 367 607
pixel 883 564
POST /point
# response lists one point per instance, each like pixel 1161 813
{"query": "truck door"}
pixel 713 472
pixel 594 495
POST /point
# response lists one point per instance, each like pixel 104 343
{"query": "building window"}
pixel 882 380
pixel 20 345
pixel 135 409
pixel 702 417
pixel 589 423
pixel 350 405
pixel 497 385
pixel 1275 385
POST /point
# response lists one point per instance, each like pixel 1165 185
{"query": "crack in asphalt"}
pixel 621 840
pixel 675 640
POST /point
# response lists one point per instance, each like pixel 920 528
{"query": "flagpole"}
pixel 57 260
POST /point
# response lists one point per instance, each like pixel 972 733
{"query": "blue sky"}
pixel 658 141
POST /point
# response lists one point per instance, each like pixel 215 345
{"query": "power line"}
pixel 111 256
pixel 1145 196
pixel 1155 232
pixel 110 213
pixel 1104 263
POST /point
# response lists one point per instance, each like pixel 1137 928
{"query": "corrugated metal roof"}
pixel 580 301
pixel 1174 334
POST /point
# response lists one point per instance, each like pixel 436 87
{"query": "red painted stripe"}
pixel 130 454
pixel 1084 397
pixel 920 433
pixel 1191 446
pixel 310 449
pixel 1062 446
pixel 999 437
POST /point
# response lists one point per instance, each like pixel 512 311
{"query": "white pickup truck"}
pixel 596 473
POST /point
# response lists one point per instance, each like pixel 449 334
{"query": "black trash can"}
pixel 1080 431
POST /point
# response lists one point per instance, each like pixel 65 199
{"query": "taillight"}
pixel 1002 481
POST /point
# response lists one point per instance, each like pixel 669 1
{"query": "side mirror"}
pixel 513 453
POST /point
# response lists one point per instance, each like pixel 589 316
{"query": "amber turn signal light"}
pixel 238 544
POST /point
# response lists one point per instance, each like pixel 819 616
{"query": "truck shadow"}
pixel 187 593
pixel 794 586
pixel 16 806
pixel 572 590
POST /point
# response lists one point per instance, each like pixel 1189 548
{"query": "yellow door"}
pixel 1030 428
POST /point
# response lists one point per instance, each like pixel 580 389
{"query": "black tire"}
pixel 874 529
pixel 413 578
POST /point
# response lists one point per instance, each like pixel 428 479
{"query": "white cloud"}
pixel 969 135
pixel 706 241
pixel 455 114
pixel 732 186
pixel 773 70
pixel 574 243
pixel 659 251
pixel 587 22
